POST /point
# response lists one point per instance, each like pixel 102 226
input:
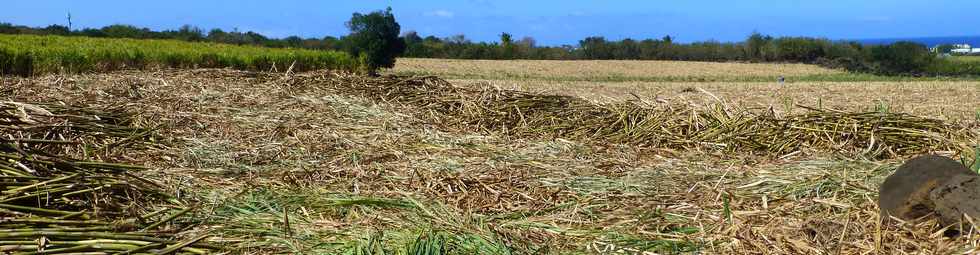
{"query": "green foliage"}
pixel 427 243
pixel 375 36
pixel 263 212
pixel 944 48
pixel 882 106
pixel 184 33
pixel 902 58
pixel 975 158
pixel 374 40
pixel 596 48
pixel 506 39
pixel 755 45
pixel 958 66
pixel 799 49
pixel 31 54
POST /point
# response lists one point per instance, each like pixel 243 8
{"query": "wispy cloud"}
pixel 441 14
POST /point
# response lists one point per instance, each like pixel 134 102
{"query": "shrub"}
pixel 902 58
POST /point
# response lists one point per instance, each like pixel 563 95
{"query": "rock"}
pixel 906 193
pixel 958 196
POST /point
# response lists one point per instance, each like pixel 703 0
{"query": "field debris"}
pixel 57 196
pixel 711 127
pixel 326 163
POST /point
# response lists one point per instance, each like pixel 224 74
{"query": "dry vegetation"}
pixel 743 85
pixel 949 100
pixel 323 163
pixel 601 69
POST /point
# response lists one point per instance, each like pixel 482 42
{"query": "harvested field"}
pixel 748 86
pixel 604 70
pixel 948 100
pixel 676 126
pixel 333 163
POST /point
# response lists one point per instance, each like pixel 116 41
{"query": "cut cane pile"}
pixel 57 196
pixel 713 127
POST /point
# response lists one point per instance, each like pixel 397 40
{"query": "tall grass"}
pixel 31 54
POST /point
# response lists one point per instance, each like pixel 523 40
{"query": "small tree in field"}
pixel 374 38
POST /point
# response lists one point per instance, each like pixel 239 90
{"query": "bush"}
pixel 902 58
pixel 846 63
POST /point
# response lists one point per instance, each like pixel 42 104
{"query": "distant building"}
pixel 959 49
pixel 966 51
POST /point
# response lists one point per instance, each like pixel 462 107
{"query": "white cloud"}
pixel 441 14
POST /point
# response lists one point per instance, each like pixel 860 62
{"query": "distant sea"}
pixel 929 41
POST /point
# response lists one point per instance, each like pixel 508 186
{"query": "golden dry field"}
pixel 745 85
pixel 601 69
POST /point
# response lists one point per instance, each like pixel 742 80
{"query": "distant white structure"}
pixel 966 51
pixel 961 49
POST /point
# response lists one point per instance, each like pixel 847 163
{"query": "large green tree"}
pixel 374 37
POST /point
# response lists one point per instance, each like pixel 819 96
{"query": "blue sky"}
pixel 549 22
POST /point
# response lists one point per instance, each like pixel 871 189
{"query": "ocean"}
pixel 928 41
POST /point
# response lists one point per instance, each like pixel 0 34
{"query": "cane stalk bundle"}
pixel 54 199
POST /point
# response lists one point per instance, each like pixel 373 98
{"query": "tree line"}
pixel 901 58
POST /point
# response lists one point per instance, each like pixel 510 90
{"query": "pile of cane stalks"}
pixel 714 127
pixel 58 195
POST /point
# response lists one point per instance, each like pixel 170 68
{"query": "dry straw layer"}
pixel 331 164
pixel 676 126
pixel 947 100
